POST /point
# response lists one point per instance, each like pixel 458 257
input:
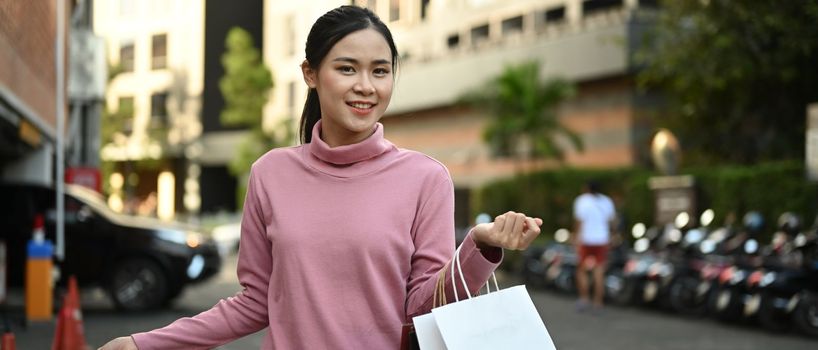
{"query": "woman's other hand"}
pixel 511 230
pixel 121 343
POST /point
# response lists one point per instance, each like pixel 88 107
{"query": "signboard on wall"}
pixel 672 195
pixel 88 177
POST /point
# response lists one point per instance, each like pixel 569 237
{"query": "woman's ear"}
pixel 309 74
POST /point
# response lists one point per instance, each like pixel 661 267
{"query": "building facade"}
pixel 28 80
pixel 153 102
pixel 33 89
pixel 168 149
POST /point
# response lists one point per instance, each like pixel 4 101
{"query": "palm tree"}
pixel 524 123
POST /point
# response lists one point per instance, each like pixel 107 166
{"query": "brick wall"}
pixel 603 113
pixel 27 34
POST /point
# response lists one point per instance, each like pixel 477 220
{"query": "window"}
pixel 424 9
pixel 126 54
pixel 595 6
pixel 513 25
pixel 479 34
pixel 159 109
pixel 159 52
pixel 453 41
pixel 125 113
pixel 554 15
pixel 394 10
pixel 126 105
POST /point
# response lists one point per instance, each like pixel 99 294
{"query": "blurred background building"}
pixel 28 98
pixel 450 47
pixel 164 58
pixel 27 95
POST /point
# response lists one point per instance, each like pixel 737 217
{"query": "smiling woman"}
pixel 354 85
pixel 346 216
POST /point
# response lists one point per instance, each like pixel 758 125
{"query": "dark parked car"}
pixel 142 263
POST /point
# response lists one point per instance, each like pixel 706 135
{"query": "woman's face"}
pixel 354 84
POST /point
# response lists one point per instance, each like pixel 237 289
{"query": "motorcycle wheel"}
pixel 566 282
pixel 727 307
pixel 805 315
pixel 616 285
pixel 770 317
pixel 533 274
pixel 684 298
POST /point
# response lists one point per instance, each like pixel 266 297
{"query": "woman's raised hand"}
pixel 514 231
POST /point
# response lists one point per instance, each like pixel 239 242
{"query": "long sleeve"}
pixel 434 250
pixel 237 316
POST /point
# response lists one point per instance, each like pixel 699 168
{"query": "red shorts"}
pixel 598 252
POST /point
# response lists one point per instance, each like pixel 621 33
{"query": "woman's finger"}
pixel 517 229
pixel 499 223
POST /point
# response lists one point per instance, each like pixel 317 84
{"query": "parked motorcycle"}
pixel 735 289
pixel 790 287
pixel 560 263
pixel 635 268
pixel 687 294
pixel 533 267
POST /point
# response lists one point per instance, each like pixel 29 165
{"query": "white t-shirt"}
pixel 594 211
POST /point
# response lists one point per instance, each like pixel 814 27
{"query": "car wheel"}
pixel 138 284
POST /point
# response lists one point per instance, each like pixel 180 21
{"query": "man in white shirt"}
pixel 594 216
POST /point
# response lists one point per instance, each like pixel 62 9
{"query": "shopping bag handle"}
pixel 463 278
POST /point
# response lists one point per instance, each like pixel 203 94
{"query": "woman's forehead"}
pixel 364 46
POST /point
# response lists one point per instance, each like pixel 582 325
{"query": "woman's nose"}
pixel 364 86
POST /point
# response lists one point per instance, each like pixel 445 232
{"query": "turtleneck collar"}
pixel 347 160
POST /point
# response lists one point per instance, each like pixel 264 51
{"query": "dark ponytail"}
pixel 328 30
pixel 310 116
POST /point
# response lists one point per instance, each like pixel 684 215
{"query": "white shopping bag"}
pixel 429 337
pixel 503 319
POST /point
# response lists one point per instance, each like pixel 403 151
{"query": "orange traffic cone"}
pixel 70 334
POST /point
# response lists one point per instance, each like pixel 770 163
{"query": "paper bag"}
pixel 506 319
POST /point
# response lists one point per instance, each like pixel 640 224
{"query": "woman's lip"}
pixel 361 111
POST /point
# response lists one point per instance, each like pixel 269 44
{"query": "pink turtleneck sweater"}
pixel 339 248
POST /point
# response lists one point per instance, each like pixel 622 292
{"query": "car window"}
pixel 90 198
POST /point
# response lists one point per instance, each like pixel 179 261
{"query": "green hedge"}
pixel 771 188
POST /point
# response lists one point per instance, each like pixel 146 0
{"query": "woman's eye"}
pixel 346 69
pixel 381 71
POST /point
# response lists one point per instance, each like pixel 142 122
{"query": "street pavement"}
pixel 616 328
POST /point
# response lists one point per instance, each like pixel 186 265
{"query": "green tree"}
pixel 737 76
pixel 246 86
pixel 523 108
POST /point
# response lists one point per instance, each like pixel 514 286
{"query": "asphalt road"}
pixel 617 328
